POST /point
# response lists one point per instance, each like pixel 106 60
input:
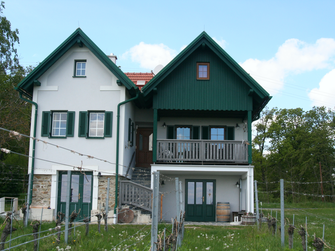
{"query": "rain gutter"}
pixel 117 150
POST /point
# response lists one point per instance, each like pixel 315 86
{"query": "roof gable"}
pixel 205 41
pixel 80 38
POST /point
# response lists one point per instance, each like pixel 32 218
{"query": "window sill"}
pixel 79 76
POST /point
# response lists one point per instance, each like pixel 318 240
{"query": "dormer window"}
pixel 80 68
pixel 202 71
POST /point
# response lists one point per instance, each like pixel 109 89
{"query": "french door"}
pixel 80 196
pixel 200 200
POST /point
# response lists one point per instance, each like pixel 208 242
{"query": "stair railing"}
pixel 136 195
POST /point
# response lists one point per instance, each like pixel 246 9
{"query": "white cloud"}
pixel 324 95
pixel 293 57
pixel 150 55
pixel 221 42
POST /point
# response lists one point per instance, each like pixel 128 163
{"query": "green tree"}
pixel 14 113
pixel 299 142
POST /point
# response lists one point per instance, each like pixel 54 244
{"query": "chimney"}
pixel 112 57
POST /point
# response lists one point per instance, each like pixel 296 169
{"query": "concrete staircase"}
pixel 142 176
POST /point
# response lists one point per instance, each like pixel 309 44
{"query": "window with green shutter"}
pixel 130 132
pixel 95 124
pixel 57 124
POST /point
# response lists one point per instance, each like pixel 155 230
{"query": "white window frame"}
pixel 80 68
pixel 96 125
pixel 59 124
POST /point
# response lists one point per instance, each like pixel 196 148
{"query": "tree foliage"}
pixel 14 112
pixel 292 144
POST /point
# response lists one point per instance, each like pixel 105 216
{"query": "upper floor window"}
pixel 202 71
pixel 183 132
pixel 217 133
pixel 95 124
pixel 59 120
pixel 80 68
pixel 57 124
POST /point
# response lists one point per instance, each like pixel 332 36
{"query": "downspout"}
pixel 117 151
pixel 31 177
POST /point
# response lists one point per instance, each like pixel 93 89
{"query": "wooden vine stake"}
pixel 58 225
pixel 87 221
pixel 302 233
pixel 318 243
pixel 274 225
pixel 99 216
pixel 35 234
pixel 290 236
pixel 6 231
pixel 73 216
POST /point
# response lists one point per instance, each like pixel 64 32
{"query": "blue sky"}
pixel 287 46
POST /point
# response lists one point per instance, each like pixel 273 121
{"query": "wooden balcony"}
pixel 231 151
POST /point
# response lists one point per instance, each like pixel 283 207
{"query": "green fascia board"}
pixel 205 39
pixel 79 37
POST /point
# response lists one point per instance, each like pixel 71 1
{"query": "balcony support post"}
pixel 154 145
pixel 249 138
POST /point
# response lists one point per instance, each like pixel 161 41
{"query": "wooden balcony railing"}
pixel 202 150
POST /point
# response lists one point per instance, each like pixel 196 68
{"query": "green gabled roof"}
pixel 204 39
pixel 80 38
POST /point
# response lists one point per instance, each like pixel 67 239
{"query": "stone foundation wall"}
pixel 41 191
pixel 102 192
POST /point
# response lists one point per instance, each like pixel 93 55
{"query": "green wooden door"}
pixel 81 193
pixel 200 200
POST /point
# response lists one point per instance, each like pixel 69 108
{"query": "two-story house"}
pixel 192 121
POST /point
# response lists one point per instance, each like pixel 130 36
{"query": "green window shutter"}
pixel 196 132
pixel 230 133
pixel 205 132
pixel 45 128
pixel 129 130
pixel 170 132
pixel 108 124
pixel 83 124
pixel 70 124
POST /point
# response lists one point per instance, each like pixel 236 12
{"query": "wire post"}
pixel 107 205
pixel 306 233
pixel 11 221
pixel 282 216
pixel 39 234
pixel 293 226
pixel 323 236
pixel 177 198
pixel 28 206
pixel 257 210
pixel 67 210
pixel 154 224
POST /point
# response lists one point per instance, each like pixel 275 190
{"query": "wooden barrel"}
pixel 223 212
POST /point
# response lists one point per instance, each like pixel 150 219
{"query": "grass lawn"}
pixel 204 237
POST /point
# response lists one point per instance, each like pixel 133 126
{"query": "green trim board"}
pixel 77 38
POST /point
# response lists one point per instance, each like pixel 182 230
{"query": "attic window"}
pixel 80 68
pixel 202 71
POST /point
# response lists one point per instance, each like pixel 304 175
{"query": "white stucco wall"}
pixel 98 91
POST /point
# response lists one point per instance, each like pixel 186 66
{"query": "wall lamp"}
pixel 237 184
pixel 164 125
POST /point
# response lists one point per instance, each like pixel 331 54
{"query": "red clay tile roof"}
pixel 143 78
